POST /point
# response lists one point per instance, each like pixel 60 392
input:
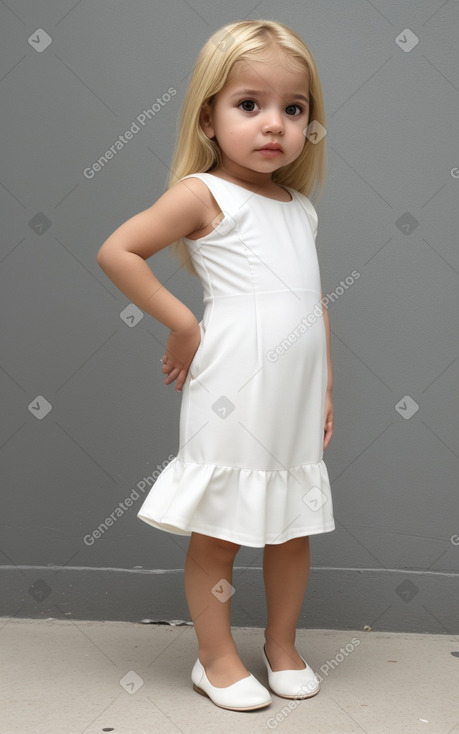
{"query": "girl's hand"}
pixel 328 422
pixel 181 347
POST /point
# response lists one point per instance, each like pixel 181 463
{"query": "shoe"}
pixel 292 683
pixel 244 695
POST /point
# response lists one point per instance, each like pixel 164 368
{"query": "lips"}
pixel 270 150
pixel 271 146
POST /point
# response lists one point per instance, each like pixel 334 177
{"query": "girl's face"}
pixel 262 104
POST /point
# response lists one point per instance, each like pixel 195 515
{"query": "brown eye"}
pixel 247 105
pixel 292 109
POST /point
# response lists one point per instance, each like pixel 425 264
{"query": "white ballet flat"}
pixel 292 683
pixel 244 695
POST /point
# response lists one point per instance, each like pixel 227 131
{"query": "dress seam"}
pixel 247 468
pixel 260 292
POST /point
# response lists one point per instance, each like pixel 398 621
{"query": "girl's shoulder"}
pixel 200 192
pixel 207 207
pixel 196 184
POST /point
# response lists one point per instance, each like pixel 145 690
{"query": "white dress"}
pixel 250 466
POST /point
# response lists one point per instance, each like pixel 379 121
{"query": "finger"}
pixel 173 374
pixel 181 380
pixel 327 436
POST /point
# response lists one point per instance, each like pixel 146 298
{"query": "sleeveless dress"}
pixel 250 466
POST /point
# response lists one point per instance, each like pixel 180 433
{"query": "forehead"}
pixel 278 73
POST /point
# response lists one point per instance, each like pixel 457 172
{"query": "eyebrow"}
pixel 259 93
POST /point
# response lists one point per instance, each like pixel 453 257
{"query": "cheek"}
pixel 298 135
pixel 226 124
pixel 234 127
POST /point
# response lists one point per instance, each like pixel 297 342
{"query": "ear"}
pixel 206 119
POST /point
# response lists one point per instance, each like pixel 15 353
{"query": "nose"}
pixel 273 122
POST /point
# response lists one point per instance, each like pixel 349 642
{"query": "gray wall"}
pixel 389 213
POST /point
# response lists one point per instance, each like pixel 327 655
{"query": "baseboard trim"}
pixel 391 600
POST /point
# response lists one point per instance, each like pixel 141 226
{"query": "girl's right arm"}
pixel 179 212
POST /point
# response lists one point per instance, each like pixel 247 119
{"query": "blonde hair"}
pixel 195 153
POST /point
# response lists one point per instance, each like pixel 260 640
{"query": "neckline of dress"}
pixel 278 201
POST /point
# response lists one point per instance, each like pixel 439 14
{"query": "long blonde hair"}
pixel 195 153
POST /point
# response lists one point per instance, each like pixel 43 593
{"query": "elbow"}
pixel 102 257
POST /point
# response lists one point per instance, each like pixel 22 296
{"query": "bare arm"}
pixel 328 419
pixel 178 213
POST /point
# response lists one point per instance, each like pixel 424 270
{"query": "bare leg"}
pixel 285 573
pixel 208 561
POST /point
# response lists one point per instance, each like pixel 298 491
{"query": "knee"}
pixel 216 546
pixel 293 546
pixel 223 548
pixel 298 545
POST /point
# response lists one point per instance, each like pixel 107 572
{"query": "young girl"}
pixel 255 373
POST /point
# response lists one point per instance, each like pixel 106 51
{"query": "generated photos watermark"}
pixel 142 486
pixel 274 721
pixel 122 140
pixel 272 355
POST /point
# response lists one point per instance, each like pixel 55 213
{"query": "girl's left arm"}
pixel 328 417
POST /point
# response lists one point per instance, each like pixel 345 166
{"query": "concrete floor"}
pixel 82 677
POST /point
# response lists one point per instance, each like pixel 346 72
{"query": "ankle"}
pixel 283 655
pixel 279 640
pixel 212 656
